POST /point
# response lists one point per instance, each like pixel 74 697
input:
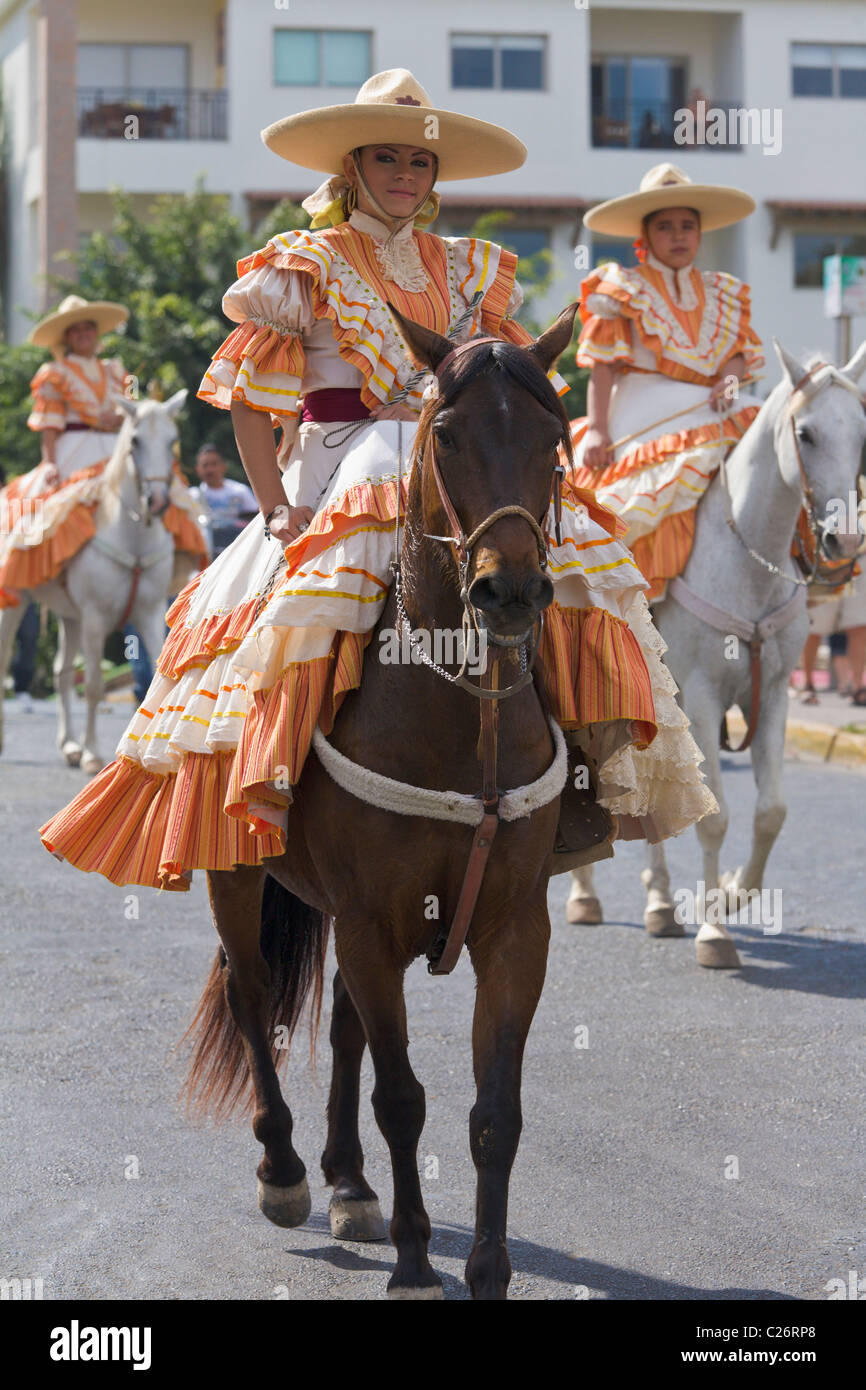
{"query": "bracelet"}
pixel 281 507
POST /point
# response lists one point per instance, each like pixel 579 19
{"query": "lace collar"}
pixel 397 256
pixel 680 284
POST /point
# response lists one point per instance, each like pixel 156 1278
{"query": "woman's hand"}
pixel 597 445
pixel 109 419
pixel 287 525
pixel 50 476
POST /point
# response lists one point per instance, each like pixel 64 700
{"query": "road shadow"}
pixel 578 1277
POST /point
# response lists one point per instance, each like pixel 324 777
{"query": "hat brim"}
pixel 717 205
pixel 466 148
pixel 103 312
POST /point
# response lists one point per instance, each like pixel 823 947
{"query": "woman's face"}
pixel 81 338
pixel 400 178
pixel 674 235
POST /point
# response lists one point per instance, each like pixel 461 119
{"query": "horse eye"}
pixel 805 435
pixel 442 436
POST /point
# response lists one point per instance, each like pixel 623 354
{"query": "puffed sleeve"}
pixel 605 334
pixel 262 362
pixel 748 342
pixel 49 404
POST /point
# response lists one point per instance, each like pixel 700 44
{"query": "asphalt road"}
pixel 620 1188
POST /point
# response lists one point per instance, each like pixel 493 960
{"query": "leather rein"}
pixel 445 949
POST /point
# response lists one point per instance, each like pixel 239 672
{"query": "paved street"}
pixel 620 1188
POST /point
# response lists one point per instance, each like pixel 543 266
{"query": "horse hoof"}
pixel 423 1293
pixel 285 1206
pixel 662 921
pixel 91 763
pixel 71 754
pixel 584 912
pixel 356 1219
pixel 715 950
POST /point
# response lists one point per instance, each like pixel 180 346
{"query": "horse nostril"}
pixel 537 592
pixel 492 591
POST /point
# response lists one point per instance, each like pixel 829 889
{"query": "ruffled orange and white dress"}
pixel 42 527
pixel 671 334
pixel 265 644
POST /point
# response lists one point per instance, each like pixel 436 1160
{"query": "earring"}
pixel 352 198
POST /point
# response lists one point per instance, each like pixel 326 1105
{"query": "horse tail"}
pixel 293 941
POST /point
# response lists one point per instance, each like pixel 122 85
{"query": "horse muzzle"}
pixel 508 604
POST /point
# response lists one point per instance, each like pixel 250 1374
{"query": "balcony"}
pixel 649 124
pixel 161 113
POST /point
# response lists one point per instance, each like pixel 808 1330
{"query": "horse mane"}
pixel 517 365
pixel 115 471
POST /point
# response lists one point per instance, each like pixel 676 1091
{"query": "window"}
pixel 811 248
pixel 828 70
pixel 511 62
pixel 128 67
pixel 321 57
pixel 634 101
pixel 619 249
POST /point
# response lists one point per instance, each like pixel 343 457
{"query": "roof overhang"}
pixel 787 212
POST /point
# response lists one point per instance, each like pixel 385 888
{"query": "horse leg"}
pixel 354 1211
pixel 510 966
pixel 10 621
pixel 93 636
pixel 714 945
pixel 583 907
pixel 659 914
pixel 375 982
pixel 236 904
pixel 68 643
pixel 768 752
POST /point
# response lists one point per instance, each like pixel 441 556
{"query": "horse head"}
pixel 487 445
pixel 146 449
pixel 819 440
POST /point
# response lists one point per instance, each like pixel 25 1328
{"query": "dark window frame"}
pixel 495 39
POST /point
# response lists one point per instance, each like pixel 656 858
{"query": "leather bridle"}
pixel 445 949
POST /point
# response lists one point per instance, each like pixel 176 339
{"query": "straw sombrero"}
pixel 104 313
pixel 666 186
pixel 393 106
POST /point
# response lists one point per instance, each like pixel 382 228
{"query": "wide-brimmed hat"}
pixel 393 106
pixel 666 186
pixel 104 313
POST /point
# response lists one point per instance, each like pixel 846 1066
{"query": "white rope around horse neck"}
pixel 405 800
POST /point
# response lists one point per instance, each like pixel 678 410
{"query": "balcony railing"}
pixel 651 125
pixel 160 113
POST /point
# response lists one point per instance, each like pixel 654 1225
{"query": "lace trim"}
pixel 680 283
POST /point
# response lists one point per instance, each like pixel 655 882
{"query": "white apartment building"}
pixel 591 86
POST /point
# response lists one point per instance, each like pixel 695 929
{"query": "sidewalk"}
pixel 834 730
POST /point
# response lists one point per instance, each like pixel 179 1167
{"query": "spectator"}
pixel 230 504
pixel 842 615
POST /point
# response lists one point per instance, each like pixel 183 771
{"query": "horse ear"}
pixel 427 347
pixel 174 403
pixel 556 339
pixel 128 405
pixel 857 366
pixel 790 366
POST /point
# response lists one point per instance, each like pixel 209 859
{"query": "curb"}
pixel 821 741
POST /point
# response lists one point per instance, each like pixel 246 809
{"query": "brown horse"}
pixel 494 431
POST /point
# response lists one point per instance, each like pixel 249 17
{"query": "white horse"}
pixel 124 574
pixel 739 584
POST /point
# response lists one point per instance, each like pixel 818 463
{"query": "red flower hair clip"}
pixel 640 249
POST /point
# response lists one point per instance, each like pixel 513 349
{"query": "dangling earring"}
pixel 351 198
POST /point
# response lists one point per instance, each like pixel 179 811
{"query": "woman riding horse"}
pixel 266 643
pixel 668 346
pixel 48 514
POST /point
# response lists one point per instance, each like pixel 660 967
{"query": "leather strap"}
pixel 753 633
pixel 443 956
